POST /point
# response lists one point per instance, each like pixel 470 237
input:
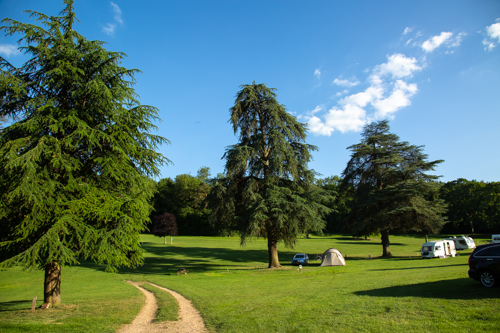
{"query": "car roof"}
pixel 485 246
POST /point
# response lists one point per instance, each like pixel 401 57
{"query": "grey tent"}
pixel 332 257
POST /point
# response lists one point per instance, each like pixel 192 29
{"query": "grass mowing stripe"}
pixel 168 307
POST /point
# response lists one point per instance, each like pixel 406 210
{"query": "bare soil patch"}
pixel 190 319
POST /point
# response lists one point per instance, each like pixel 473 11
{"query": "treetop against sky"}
pixel 431 68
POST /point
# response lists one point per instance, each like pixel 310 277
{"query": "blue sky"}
pixel 431 67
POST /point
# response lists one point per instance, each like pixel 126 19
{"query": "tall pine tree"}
pixel 75 165
pixel 391 188
pixel 268 190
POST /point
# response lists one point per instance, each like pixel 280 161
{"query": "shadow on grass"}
pixel 15 305
pixel 168 259
pixel 422 267
pixel 464 288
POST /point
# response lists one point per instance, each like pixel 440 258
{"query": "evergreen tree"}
pixel 391 189
pixel 268 191
pixel 75 164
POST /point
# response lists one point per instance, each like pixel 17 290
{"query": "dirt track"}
pixel 189 318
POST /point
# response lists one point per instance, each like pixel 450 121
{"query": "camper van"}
pixel 463 242
pixel 439 249
pixel 495 238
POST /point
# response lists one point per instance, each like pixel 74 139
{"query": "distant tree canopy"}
pixel 391 188
pixel 185 198
pixel 473 207
pixel 341 206
pixel 77 160
pixel 268 190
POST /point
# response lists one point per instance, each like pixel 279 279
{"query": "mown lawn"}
pixel 234 291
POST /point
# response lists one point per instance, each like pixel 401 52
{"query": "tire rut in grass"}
pixel 190 319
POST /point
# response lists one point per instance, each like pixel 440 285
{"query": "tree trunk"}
pixel 386 249
pixel 52 284
pixel 426 238
pixel 165 240
pixel 272 248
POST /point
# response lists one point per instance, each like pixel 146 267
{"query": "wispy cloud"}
pixel 8 50
pixel 445 38
pixel 351 82
pixel 493 36
pixel 110 28
pixel 317 73
pixel 407 30
pixel 118 13
pixel 434 42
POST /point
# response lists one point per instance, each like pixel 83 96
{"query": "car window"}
pixel 427 248
pixel 299 256
pixel 495 251
pixel 483 253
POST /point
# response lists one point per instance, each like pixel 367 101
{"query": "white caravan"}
pixel 495 238
pixel 439 249
pixel 463 242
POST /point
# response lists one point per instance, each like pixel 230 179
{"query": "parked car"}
pixel 484 264
pixel 300 259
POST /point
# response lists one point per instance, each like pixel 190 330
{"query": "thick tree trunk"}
pixel 52 284
pixel 272 248
pixel 386 249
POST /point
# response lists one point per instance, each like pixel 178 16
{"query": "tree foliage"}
pixel 473 206
pixel 164 225
pixel 341 206
pixel 391 188
pixel 268 190
pixel 185 197
pixel 75 163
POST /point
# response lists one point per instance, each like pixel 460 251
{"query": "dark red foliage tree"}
pixel 164 225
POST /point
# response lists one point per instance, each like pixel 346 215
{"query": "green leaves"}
pixel 268 190
pixel 76 162
pixel 391 187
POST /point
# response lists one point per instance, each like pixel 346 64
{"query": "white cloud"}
pixel 8 50
pixel 493 32
pixel 363 98
pixel 351 118
pixel 118 13
pixel 398 66
pixel 407 30
pixel 347 82
pixel 341 93
pixel 399 98
pixel 434 42
pixel 381 99
pixel 317 73
pixel 110 28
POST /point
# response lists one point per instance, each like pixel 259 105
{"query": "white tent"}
pixel 332 257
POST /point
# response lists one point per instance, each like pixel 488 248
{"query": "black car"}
pixel 484 264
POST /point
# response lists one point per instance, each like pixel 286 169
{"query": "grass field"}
pixel 234 291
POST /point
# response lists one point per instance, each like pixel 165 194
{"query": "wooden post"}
pixel 33 304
